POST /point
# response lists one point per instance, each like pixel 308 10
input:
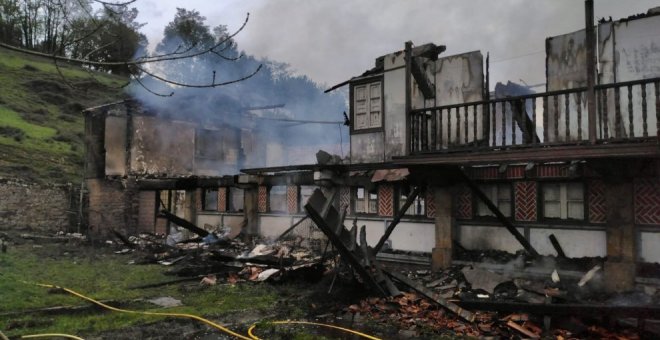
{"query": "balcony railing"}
pixel 625 112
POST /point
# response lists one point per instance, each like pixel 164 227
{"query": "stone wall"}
pixel 26 206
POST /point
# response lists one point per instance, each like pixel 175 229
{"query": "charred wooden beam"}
pixel 452 307
pixel 500 217
pixel 183 223
pixel 557 246
pixel 396 219
pixel 523 121
pixel 425 85
pixel 651 312
pixel 327 225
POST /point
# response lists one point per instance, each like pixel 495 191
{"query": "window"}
pixel 305 192
pixel 417 208
pixel 499 194
pixel 563 200
pixel 365 202
pixel 210 199
pixel 235 199
pixel 277 199
pixel 367 106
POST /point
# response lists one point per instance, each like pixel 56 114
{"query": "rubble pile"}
pixel 222 257
pixel 417 315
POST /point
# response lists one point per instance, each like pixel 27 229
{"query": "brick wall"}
pixel 147 211
pixel 35 207
pixel 112 205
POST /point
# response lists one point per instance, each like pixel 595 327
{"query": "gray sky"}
pixel 333 40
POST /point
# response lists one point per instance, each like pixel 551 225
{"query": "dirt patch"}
pixel 43 85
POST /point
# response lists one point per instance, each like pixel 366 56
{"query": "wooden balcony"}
pixel 540 127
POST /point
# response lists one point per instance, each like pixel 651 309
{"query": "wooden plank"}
pixel 397 218
pixel 452 307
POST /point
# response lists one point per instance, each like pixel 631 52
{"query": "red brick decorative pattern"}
pixel 262 199
pixel 345 199
pixel 597 208
pixel 430 203
pixel 525 200
pixel 552 170
pixel 222 199
pixel 464 203
pixel 517 171
pixel 647 201
pixel 386 200
pixel 292 199
pixel 484 173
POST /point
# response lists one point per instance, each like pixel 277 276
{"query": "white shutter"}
pixel 361 109
pixel 374 104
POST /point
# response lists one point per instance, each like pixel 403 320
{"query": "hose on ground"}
pixel 188 316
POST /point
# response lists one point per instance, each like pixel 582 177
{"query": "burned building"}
pixel 573 171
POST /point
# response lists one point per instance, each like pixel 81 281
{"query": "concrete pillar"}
pixel 621 248
pixel 251 201
pixel 442 253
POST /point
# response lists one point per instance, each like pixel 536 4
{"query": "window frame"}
pixel 204 199
pixel 400 201
pixel 477 201
pixel 367 199
pixel 229 200
pixel 367 81
pixel 270 201
pixel 564 201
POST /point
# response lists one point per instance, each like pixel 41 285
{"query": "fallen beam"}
pixel 183 223
pixel 452 307
pixel 503 219
pixel 648 312
pixel 557 246
pixel 396 219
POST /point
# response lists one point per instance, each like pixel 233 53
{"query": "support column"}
pixel 444 221
pixel 190 206
pixel 620 264
pixel 251 201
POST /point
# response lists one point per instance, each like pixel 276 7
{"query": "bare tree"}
pixel 67 31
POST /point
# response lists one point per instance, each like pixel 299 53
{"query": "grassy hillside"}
pixel 41 125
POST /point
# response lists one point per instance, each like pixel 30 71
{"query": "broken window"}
pixel 499 194
pixel 235 199
pixel 563 200
pixel 277 199
pixel 365 202
pixel 210 199
pixel 367 106
pixel 418 207
pixel 305 192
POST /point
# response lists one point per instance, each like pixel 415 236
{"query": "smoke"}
pixel 274 112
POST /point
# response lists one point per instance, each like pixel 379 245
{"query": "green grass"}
pixel 102 276
pixel 46 106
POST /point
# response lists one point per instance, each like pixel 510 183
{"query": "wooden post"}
pixel 442 252
pixel 251 200
pixel 591 68
pixel 620 264
pixel 408 104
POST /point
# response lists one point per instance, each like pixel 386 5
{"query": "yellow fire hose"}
pixel 188 316
pixel 51 335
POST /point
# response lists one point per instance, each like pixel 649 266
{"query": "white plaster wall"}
pixel 413 236
pixel 273 226
pixel 649 249
pixel 212 219
pixel 637 56
pixel 486 237
pixel 394 88
pixel 367 147
pixel 575 243
pixel 374 229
